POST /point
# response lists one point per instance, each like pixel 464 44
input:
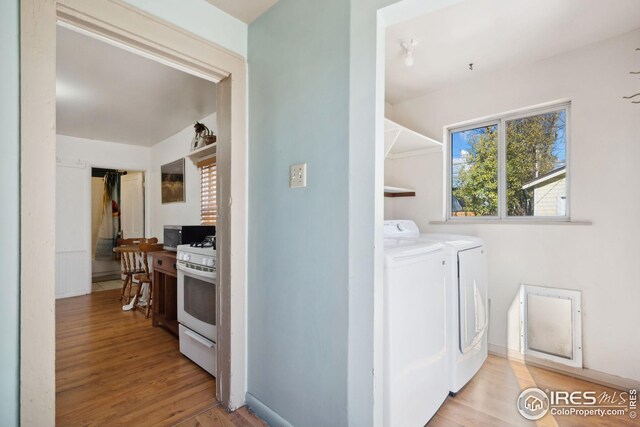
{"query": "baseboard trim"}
pixel 106 277
pixel 72 294
pixel 266 413
pixel 597 377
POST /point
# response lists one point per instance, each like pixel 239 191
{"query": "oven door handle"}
pixel 208 276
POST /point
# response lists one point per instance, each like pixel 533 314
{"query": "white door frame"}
pixel 120 23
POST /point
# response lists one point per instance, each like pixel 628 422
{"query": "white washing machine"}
pixel 467 304
pixel 468 318
pixel 416 380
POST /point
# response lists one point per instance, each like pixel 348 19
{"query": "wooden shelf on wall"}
pixel 203 153
pixel 398 192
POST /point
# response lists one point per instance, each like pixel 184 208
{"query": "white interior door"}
pixel 73 272
pixel 132 204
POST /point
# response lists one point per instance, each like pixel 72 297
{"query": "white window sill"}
pixel 509 222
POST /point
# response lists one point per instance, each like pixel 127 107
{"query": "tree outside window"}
pixel 535 174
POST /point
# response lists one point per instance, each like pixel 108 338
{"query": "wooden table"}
pixel 165 291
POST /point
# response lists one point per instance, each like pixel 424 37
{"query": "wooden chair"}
pixel 132 262
pixel 146 277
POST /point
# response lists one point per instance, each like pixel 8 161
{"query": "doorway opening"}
pixel 125 121
pixel 149 36
pixel 117 212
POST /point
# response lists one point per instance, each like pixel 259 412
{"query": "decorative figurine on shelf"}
pixel 202 138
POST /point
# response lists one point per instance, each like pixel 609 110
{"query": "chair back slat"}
pixel 147 247
pixel 134 253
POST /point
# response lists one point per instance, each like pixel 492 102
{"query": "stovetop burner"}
pixel 208 242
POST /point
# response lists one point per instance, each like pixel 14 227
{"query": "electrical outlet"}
pixel 298 176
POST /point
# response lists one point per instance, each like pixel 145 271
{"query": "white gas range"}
pixel 197 303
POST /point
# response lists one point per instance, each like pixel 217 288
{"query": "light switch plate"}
pixel 298 176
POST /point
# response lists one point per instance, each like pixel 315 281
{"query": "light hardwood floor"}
pixel 490 398
pixel 113 368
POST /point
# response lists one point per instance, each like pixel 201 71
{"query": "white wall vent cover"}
pixel 551 324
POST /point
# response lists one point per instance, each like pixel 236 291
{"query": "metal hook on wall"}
pixel 637 94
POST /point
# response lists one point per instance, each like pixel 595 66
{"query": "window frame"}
pixel 500 120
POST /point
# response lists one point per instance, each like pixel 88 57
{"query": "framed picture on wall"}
pixel 172 181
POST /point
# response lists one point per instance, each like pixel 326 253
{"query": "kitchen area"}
pixel 137 339
pixel 184 291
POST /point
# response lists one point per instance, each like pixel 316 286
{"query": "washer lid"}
pixel 398 252
pixel 456 241
pixel 400 228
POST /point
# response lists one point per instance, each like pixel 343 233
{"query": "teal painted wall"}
pixel 10 212
pixel 298 238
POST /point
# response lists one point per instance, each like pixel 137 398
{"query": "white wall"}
pixel 167 151
pixel 600 259
pixel 76 157
pixel 200 18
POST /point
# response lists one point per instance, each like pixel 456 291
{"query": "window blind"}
pixel 208 182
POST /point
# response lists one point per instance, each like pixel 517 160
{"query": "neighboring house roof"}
pixel 546 177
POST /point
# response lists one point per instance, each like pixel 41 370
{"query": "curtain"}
pixel 110 224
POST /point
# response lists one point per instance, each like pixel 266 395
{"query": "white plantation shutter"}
pixel 208 181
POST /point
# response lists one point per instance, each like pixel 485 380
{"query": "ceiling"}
pixel 110 94
pixel 494 34
pixel 245 10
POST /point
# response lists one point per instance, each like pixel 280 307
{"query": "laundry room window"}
pixel 511 167
pixel 208 182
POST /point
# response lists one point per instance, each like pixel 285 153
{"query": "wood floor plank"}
pixel 113 368
pixel 490 398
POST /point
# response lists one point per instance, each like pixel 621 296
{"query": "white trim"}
pixel 510 114
pixel 269 415
pixel 523 221
pixel 71 294
pixel 500 121
pixel 502 169
pixel 597 377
